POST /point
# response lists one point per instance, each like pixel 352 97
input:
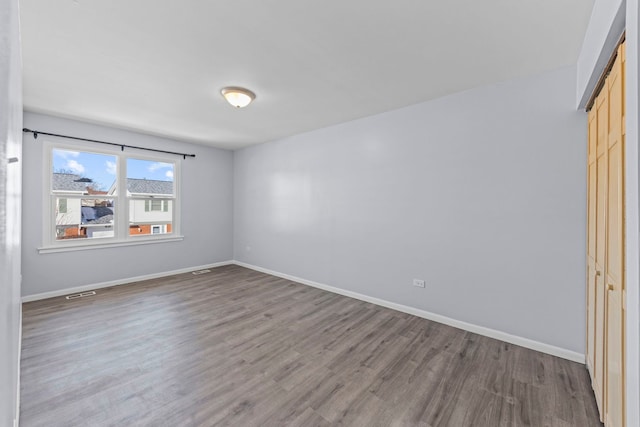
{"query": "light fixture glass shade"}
pixel 237 96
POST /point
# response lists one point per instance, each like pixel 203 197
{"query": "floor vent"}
pixel 81 295
pixel 198 272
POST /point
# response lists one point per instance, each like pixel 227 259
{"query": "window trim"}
pixel 122 200
pixel 134 242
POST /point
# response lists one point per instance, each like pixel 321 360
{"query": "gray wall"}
pixel 481 193
pixel 10 174
pixel 207 215
pixel 606 25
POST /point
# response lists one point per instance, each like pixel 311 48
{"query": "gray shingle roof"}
pixel 107 219
pixel 97 215
pixel 66 182
pixel 149 186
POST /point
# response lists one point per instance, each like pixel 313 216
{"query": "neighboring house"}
pixel 78 217
pixel 150 207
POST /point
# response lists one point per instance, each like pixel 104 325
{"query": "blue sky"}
pixel 101 168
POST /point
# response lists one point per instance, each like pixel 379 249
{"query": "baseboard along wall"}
pixel 480 330
pixel 90 287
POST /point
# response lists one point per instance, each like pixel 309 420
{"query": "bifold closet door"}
pixel 591 240
pixel 597 280
pixel 605 246
pixel 614 386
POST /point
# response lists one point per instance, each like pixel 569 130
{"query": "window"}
pixel 62 206
pixel 79 187
pixel 99 197
pixel 151 197
pixel 158 229
pixel 156 205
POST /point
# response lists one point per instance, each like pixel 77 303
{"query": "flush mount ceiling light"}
pixel 237 96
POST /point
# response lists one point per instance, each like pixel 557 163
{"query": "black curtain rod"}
pixel 122 146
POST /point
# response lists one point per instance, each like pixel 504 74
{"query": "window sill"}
pixel 86 246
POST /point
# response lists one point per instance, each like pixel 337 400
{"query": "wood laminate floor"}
pixel 240 348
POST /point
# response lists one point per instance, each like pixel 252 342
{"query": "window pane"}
pixel 81 172
pixel 150 216
pixel 85 219
pixel 149 178
pixel 62 206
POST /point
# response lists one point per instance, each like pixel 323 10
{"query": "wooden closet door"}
pixel 591 239
pixel 614 388
pixel 598 377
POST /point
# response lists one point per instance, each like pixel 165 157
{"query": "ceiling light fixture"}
pixel 237 96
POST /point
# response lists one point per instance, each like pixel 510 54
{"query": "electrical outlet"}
pixel 419 283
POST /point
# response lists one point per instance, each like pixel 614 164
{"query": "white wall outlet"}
pixel 419 283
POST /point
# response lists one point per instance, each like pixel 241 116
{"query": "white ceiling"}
pixel 157 66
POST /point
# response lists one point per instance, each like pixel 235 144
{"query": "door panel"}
pixel 614 387
pixel 614 330
pixel 591 240
pixel 602 112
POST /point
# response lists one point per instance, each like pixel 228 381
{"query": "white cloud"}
pixel 159 165
pixel 65 154
pixel 75 166
pixel 169 174
pixel 111 167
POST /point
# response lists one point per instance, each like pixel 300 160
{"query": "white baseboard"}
pixel 481 330
pixel 89 287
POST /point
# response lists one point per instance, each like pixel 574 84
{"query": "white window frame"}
pixel 122 201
